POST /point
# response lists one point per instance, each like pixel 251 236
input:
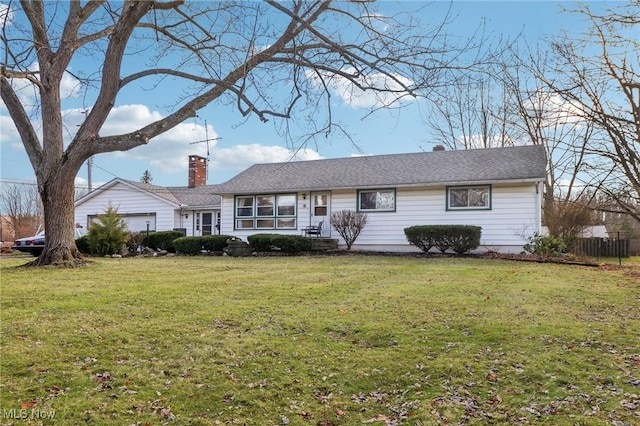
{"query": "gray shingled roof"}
pixel 521 163
pixel 199 196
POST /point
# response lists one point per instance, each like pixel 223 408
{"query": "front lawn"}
pixel 319 341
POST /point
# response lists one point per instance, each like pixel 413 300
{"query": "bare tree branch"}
pixel 268 59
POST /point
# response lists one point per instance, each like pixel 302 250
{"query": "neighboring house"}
pixel 194 209
pixel 499 189
pixel 6 229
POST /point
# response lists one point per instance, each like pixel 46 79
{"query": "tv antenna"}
pixel 206 140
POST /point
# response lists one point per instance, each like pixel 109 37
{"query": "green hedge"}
pixel 162 240
pixel 195 245
pixel 291 244
pixel 82 244
pixel 261 242
pixel 215 242
pixel 459 238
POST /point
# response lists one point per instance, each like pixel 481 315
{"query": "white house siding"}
pixel 227 219
pixel 514 215
pixel 128 202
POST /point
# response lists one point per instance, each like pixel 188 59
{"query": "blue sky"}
pixel 243 142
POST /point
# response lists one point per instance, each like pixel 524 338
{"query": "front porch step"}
pixel 323 244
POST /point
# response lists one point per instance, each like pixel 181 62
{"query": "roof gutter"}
pixel 374 186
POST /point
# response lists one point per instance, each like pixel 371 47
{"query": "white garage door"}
pixel 138 223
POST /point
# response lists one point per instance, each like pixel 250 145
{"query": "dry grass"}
pixel 320 341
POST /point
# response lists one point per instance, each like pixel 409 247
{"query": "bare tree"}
pixel 472 113
pixel 268 59
pixel 598 76
pixel 349 224
pixel 540 117
pixel 21 204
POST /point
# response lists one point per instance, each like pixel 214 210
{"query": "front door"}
pixel 207 223
pixel 320 211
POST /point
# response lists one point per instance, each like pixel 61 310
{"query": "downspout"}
pixel 538 209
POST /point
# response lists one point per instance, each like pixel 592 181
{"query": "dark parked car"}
pixel 35 244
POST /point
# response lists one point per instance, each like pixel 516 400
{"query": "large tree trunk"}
pixel 58 198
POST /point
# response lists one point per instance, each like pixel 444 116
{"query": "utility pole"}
pixel 89 164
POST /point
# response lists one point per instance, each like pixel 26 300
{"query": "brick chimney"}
pixel 197 171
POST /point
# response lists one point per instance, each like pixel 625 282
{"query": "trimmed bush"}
pixel 163 240
pixel 463 239
pixel 195 245
pixel 188 245
pixel 291 244
pixel 420 237
pixel 215 242
pixel 261 242
pixel 459 238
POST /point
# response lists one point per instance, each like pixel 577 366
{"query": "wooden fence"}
pixel 601 247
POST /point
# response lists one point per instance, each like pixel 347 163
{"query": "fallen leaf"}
pixel 340 413
pixel 377 418
pixel 29 404
pixel 306 416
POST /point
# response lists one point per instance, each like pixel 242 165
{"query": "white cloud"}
pixel 70 87
pixel 554 110
pixel 9 134
pixel 355 97
pixel 169 152
pixel 377 20
pixel 239 157
pixel 6 15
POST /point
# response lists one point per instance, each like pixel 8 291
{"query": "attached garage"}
pixel 136 222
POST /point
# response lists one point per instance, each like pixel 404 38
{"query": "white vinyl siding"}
pixel 131 204
pixel 513 215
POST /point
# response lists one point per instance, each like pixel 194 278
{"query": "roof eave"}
pixel 398 185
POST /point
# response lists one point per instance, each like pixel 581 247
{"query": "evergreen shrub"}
pixel 107 233
pixel 163 240
pixel 291 244
pixel 215 242
pixel 195 245
pixel 188 245
pixel 459 238
pixel 545 245
pixel 260 242
pixel 82 244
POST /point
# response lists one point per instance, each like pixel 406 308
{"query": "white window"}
pixel 377 200
pixel 266 212
pixel 469 197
